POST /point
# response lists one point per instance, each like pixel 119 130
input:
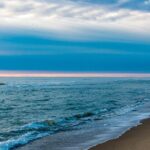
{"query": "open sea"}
pixel 103 108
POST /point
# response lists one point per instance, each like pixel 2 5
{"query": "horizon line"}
pixel 69 74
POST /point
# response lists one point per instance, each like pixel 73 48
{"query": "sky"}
pixel 75 35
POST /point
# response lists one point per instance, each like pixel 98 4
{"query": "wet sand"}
pixel 137 138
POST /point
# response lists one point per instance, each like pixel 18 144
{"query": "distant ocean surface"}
pixel 31 108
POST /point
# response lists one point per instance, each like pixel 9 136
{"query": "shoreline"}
pixel 136 138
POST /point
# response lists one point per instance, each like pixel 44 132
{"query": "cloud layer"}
pixel 76 17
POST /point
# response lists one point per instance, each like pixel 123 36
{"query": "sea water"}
pixel 31 108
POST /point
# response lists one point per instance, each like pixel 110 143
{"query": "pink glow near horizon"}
pixel 52 74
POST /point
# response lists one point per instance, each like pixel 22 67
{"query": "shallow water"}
pixel 35 107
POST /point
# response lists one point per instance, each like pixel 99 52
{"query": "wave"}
pixel 22 140
pixel 35 130
pixel 44 128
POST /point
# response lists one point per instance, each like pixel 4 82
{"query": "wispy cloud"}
pixel 76 16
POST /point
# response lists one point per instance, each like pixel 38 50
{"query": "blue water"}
pixel 31 108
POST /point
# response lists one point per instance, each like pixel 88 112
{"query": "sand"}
pixel 137 138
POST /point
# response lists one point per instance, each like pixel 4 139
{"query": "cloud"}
pixel 99 19
pixel 147 2
pixel 28 43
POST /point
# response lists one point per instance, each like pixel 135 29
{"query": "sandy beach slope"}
pixel 137 138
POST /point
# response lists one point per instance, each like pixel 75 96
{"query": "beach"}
pixel 137 138
pixel 69 113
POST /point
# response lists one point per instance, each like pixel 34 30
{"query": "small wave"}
pixel 22 140
pixel 39 129
pixel 43 125
pixel 84 115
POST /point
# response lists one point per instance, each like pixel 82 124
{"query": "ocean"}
pixel 95 109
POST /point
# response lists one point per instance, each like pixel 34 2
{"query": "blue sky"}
pixel 75 35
